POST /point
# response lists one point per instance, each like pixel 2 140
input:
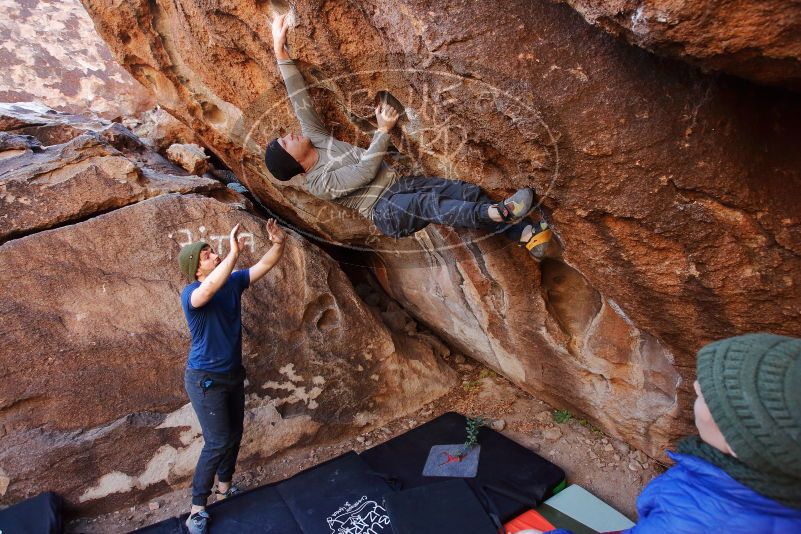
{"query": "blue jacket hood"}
pixel 695 496
pixel 730 489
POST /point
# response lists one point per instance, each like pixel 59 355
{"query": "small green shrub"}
pixel 562 416
pixel 589 426
pixel 474 424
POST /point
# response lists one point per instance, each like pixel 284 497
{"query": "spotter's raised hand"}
pixel 275 232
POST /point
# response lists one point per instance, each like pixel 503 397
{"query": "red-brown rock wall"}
pixel 759 40
pixel 94 341
pixel 76 171
pixel 674 192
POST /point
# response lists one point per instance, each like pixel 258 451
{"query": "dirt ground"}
pixel 607 467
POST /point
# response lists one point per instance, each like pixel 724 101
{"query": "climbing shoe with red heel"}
pixel 516 206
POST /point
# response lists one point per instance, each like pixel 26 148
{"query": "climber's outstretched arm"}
pixel 310 123
pixel 280 27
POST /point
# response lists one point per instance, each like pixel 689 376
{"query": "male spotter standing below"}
pixel 215 378
pixel 359 179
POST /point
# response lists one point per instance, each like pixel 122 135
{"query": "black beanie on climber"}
pixel 280 164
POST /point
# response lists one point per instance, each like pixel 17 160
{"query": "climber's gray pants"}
pixel 412 203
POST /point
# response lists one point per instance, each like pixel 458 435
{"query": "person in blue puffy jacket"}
pixel 742 473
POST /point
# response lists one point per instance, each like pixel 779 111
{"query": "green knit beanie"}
pixel 189 257
pixel 752 385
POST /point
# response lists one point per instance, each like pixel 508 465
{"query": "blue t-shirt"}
pixel 216 328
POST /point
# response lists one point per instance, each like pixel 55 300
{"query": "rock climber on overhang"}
pixel 359 179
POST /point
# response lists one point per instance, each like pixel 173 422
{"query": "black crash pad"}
pixel 338 497
pixel 261 509
pixel 505 468
pixel 329 498
pixel 168 526
pixel 345 494
pixel 449 506
pixel 37 515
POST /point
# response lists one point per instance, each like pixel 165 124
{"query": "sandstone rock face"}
pixel 550 332
pixel 50 53
pixel 758 40
pixel 159 129
pixel 94 340
pixel 101 168
pixel 675 193
pixel 190 157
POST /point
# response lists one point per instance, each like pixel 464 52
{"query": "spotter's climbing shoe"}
pixel 230 492
pixel 516 206
pixel 198 523
pixel 540 240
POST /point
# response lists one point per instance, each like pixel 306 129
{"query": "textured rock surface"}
pixel 103 167
pixel 674 192
pixel 551 333
pixel 190 157
pixel 94 341
pixel 49 52
pixel 757 39
pixel 158 128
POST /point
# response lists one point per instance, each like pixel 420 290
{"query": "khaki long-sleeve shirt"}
pixel 345 174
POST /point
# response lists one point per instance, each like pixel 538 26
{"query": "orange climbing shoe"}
pixel 541 238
